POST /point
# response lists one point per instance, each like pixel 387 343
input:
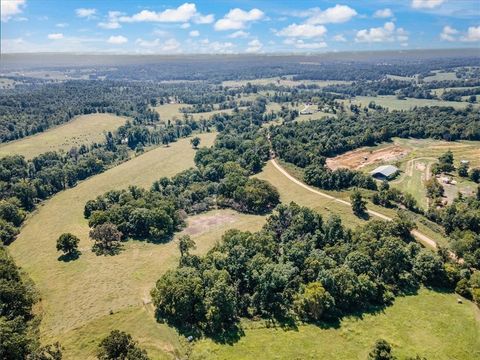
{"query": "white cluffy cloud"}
pixel 387 33
pixel 238 34
pixel 11 7
pixel 383 13
pixel 334 15
pixel 85 13
pixel 184 13
pixel 112 21
pixel 117 40
pixel 167 46
pixel 194 33
pixel 448 33
pixel 254 46
pixel 426 4
pixel 237 19
pixel 303 30
pixel 473 34
pixel 55 36
pixel 300 44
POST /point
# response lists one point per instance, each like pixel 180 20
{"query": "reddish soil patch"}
pixel 202 223
pixel 359 158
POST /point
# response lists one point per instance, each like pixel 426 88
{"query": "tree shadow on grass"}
pixel 69 257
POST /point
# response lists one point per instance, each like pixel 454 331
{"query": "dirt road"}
pixel 424 239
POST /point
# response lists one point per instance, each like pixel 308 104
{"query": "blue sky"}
pixel 247 26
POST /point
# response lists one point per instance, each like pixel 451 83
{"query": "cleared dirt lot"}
pixel 360 158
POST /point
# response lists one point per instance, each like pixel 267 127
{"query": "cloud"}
pixel 185 26
pixel 303 30
pixel 448 33
pixel 339 38
pixel 184 13
pixel 109 25
pixel 387 33
pixel 215 47
pixel 85 13
pixel 334 15
pixel 55 36
pixel 473 34
pixel 167 46
pixel 300 44
pixel 237 19
pixel 254 46
pixel 204 19
pixel 238 34
pixel 117 40
pixel 194 33
pixel 112 21
pixel 451 34
pixel 10 8
pixel 383 13
pixel 61 25
pixel 426 4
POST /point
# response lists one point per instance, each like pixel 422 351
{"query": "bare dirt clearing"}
pixel 357 159
pixel 205 222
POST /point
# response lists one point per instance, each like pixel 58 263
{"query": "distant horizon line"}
pixel 279 53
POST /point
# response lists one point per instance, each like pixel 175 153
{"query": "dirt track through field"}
pixel 417 234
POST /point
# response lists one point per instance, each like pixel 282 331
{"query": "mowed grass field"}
pixel 286 81
pixel 76 293
pixel 391 102
pixel 172 112
pixel 83 129
pixel 430 324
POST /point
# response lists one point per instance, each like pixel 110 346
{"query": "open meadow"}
pixel 282 81
pixel 430 324
pixel 172 112
pixel 391 102
pixel 76 293
pixel 83 129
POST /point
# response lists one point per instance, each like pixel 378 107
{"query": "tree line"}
pixel 306 144
pixel 297 268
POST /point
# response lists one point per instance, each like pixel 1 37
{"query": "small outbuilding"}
pixel 385 172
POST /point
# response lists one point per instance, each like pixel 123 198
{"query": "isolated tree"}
pixel 107 239
pixel 475 175
pixel 185 244
pixel 119 345
pixel 195 142
pixel 381 351
pixel 68 244
pixel 463 170
pixel 358 204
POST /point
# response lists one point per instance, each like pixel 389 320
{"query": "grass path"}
pixel 84 129
pixel 77 292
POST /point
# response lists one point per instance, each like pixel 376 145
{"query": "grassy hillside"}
pixel 84 129
pixel 172 111
pixel 430 324
pixel 78 292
